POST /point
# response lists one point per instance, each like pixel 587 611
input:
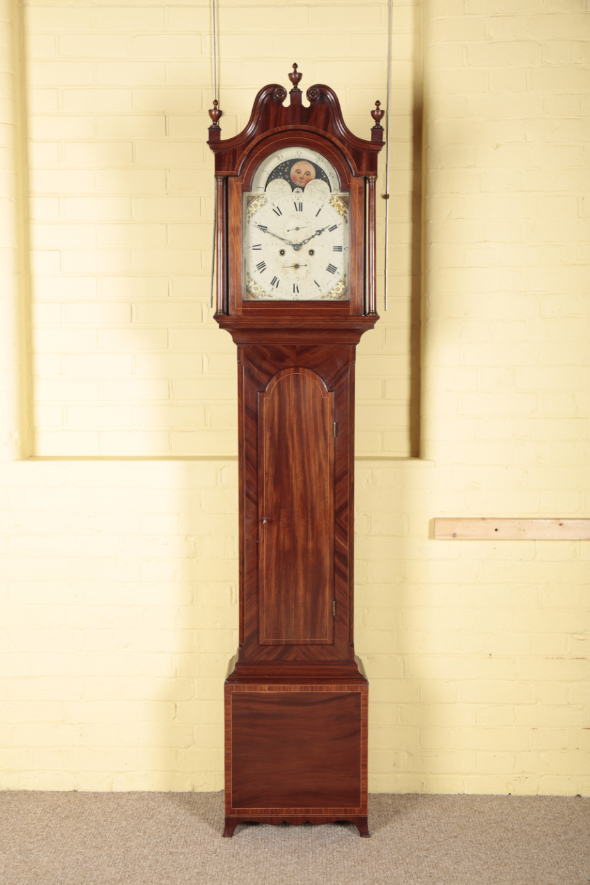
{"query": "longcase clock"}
pixel 296 290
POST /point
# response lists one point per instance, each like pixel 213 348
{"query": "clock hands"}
pixel 265 230
pixel 296 246
pixel 317 233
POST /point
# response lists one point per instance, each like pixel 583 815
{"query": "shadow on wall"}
pixel 23 446
pixel 416 268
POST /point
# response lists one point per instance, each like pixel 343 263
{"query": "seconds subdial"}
pixel 297 227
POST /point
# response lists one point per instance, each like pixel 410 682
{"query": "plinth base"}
pixel 360 822
pixel 296 751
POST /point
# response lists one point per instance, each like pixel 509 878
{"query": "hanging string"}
pixel 215 49
pixel 386 194
pixel 213 250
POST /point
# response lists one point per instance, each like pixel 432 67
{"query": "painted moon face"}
pixel 302 172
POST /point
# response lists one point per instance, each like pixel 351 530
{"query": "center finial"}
pixel 295 77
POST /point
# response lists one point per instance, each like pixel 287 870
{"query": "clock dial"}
pixel 296 233
pixel 296 247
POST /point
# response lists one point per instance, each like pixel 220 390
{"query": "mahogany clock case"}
pixel 296 701
pixel 296 753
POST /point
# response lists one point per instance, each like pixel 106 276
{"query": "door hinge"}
pixel 335 428
pixel 334 608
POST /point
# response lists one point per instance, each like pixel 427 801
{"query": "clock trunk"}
pixel 296 448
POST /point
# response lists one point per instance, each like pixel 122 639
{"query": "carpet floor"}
pixel 175 839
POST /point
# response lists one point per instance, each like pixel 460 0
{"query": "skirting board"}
pixel 488 529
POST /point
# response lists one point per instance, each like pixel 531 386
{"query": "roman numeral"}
pixel 331 269
pixel 277 210
pixel 298 207
pixel 263 227
pixel 262 266
pixel 334 226
pixel 317 284
pixel 257 246
pixel 275 282
pixel 295 289
pixel 318 212
pixel 337 248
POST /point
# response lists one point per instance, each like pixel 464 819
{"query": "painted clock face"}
pixel 296 230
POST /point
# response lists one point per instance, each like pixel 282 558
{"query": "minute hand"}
pixel 267 231
pixel 317 233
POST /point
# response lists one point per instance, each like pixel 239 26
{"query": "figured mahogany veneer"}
pixel 298 475
pixel 277 770
pixel 296 487
pixel 323 117
pixel 276 765
pixel 296 701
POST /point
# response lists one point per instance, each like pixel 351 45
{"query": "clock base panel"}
pixel 296 752
pixel 360 822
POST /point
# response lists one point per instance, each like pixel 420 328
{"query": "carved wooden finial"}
pixel 377 130
pixel 215 114
pixel 377 115
pixel 295 77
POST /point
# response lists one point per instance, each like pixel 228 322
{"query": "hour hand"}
pixel 316 234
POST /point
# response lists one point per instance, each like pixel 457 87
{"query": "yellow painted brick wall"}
pixel 126 356
pixel 118 571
